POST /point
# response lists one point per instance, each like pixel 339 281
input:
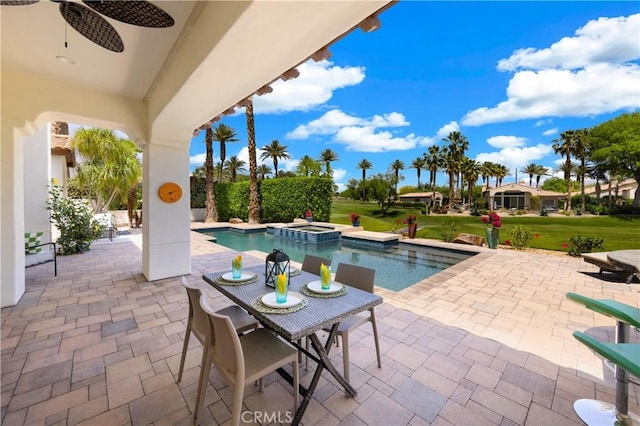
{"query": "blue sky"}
pixel 510 76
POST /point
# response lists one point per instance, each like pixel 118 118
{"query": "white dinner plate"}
pixel 293 299
pixel 244 276
pixel 316 287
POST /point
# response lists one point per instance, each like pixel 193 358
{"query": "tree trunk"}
pixel 254 200
pixel 223 154
pixel 210 214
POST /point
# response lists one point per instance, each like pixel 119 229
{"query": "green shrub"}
pixel 519 236
pixel 449 231
pixel 74 219
pixel 544 212
pixel 580 244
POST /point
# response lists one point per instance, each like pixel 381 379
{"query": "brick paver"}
pixel 487 341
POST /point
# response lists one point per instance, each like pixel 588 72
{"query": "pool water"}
pixel 396 268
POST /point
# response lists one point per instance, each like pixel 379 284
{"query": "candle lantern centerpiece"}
pixel 277 263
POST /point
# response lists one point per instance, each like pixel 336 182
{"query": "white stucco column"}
pixel 165 226
pixel 11 216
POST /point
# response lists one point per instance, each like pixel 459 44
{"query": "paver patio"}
pixel 487 341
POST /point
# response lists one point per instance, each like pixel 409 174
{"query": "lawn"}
pixel 619 232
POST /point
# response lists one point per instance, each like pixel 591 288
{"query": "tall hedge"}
pixel 282 200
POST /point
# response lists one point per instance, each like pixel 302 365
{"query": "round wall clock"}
pixel 170 192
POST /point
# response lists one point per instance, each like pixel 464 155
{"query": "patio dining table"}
pixel 318 314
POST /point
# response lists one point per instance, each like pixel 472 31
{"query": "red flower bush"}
pixel 492 219
pixel 308 213
pixel 507 242
pixel 354 217
pixel 410 219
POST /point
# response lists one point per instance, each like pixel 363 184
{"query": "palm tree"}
pixel 396 166
pixel 486 171
pixel 327 156
pixel 540 171
pixel 254 197
pixel 454 153
pixel 564 147
pixel 531 170
pixel 471 171
pixel 364 165
pixel 307 166
pixel 275 151
pixel 264 170
pixel 500 173
pixel 580 148
pixel 234 165
pixel 418 164
pixel 110 166
pixel 223 134
pixel 433 161
pixel 210 212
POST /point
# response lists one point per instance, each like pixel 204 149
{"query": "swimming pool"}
pixel 396 268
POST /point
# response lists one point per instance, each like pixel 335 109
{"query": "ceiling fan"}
pixel 88 22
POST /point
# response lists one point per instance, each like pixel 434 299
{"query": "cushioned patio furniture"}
pixel 623 355
pixel 601 261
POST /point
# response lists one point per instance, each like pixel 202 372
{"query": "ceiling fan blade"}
pixel 92 26
pixel 141 13
pixel 17 2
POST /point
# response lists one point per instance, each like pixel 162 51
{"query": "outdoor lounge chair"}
pixel 601 261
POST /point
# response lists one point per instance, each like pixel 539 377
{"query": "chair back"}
pixel 199 320
pixel 227 350
pixel 312 263
pixel 356 276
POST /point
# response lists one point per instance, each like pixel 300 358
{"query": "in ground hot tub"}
pixel 312 234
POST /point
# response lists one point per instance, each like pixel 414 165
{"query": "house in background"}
pixel 518 196
pixel 432 199
pixel 625 189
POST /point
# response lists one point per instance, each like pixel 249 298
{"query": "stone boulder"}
pixel 235 220
pixel 474 240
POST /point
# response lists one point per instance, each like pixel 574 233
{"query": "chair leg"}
pixel 345 354
pixel 296 385
pixel 205 368
pixel 306 357
pixel 375 337
pixel 236 410
pixel 185 345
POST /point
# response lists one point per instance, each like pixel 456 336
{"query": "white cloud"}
pixel 338 175
pixel 589 74
pixel 198 159
pixel 550 132
pixel 332 121
pixel 314 87
pixel 506 141
pixel 606 40
pixel 514 157
pixel 359 134
pixel 442 133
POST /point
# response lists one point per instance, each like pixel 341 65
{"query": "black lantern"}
pixel 277 263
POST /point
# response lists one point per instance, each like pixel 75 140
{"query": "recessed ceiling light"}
pixel 66 60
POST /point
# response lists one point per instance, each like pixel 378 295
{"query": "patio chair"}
pixel 243 359
pixel 312 263
pixel 601 261
pixel 197 322
pixel 361 278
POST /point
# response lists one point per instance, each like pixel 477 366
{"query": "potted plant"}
pixel 412 225
pixel 492 233
pixel 355 219
pixel 309 215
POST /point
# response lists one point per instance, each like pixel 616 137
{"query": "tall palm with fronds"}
pixel 418 164
pixel 500 172
pixel 486 171
pixel 396 166
pixel 307 166
pixel 531 170
pixel 454 153
pixel 210 211
pixel 433 162
pixel 564 147
pixel 327 156
pixel 264 170
pixel 580 149
pixel 254 197
pixel 233 166
pixel 275 151
pixel 223 134
pixel 364 165
pixel 471 170
pixel 540 171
